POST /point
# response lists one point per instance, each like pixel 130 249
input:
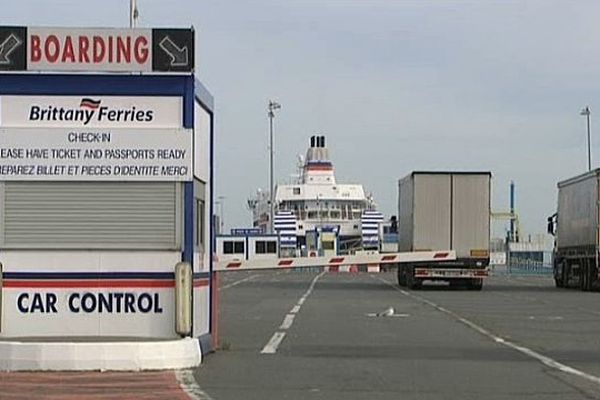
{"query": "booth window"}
pixel 199 223
pixel 233 247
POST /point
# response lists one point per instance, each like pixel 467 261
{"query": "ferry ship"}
pixel 317 202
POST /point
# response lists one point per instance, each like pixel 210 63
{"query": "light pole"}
pixel 273 105
pixel 221 202
pixel 133 13
pixel 586 112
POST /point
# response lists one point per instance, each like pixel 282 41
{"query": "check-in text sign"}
pixel 91 111
pixel 60 154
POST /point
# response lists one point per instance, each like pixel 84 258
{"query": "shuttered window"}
pixel 94 215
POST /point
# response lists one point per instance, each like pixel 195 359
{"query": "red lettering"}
pixel 68 54
pixel 99 49
pixel 141 49
pixel 52 54
pixel 110 49
pixel 124 49
pixel 84 44
pixel 36 51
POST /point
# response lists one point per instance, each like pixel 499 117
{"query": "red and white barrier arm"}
pixel 360 259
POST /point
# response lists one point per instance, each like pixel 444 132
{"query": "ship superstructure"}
pixel 317 200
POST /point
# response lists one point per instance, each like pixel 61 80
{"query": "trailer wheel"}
pixel 411 281
pixel 475 284
pixel 558 268
pixel 401 275
pixel 586 276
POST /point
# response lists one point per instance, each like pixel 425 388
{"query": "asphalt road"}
pixel 306 335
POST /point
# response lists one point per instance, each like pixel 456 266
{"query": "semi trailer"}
pixel 576 227
pixel 441 211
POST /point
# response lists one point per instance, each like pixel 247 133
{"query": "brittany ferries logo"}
pixel 90 110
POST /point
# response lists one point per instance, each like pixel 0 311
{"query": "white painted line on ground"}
pixel 248 278
pixel 273 344
pixel 388 316
pixel 287 321
pixel 187 383
pixel 547 361
pixel 271 347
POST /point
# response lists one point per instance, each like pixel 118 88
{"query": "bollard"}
pixel 183 299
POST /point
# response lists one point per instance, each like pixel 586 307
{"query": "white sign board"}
pixel 498 258
pixel 89 312
pixel 95 154
pixel 91 111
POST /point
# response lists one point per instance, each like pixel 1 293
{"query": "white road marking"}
pixel 546 318
pixel 277 338
pixel 187 383
pixel 248 278
pixel 287 321
pixel 387 316
pixel 271 347
pixel 547 361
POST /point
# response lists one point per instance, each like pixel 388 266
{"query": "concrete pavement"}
pixel 334 350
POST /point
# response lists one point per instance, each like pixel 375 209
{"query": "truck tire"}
pixel 582 275
pixel 586 276
pixel 558 283
pixel 556 267
pixel 475 284
pixel 412 282
pixel 402 275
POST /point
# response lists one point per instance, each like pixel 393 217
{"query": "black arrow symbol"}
pixel 8 46
pixel 179 56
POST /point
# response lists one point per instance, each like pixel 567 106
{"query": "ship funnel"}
pixel 322 141
pixel 312 141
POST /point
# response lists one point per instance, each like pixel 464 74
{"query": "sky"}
pixel 395 86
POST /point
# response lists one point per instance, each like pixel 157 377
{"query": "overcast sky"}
pixel 395 86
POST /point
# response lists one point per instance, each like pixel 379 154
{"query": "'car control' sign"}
pixel 111 50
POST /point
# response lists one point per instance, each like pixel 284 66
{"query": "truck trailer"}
pixel 576 226
pixel 445 211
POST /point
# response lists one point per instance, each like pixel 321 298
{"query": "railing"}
pixel 523 268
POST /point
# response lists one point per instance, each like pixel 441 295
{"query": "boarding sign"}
pixel 94 154
pixel 96 49
pixel 91 111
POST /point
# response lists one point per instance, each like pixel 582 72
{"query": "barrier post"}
pixel 215 308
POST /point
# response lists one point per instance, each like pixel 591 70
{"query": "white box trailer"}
pixel 445 210
pixel 577 246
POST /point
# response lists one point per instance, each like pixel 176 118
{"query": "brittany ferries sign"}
pixel 99 50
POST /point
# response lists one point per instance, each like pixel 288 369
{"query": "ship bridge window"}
pixel 233 247
pixel 296 190
pixel 312 214
pixel 356 214
pixel 335 215
pixel 265 247
pixel 328 245
pixel 324 214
